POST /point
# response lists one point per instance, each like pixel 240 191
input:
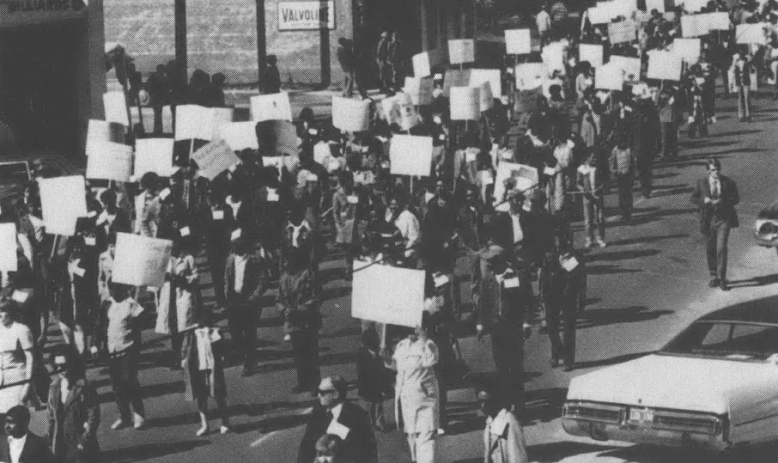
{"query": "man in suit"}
pixel 245 281
pixel 336 415
pixel 74 411
pixel 20 445
pixel 716 197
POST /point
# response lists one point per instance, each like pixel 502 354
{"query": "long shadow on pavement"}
pixel 148 451
pixel 601 317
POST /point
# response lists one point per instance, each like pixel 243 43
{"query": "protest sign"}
pixel 103 131
pixel 485 98
pixel 622 31
pixel 694 25
pixel 421 65
pixel 718 21
pixel 658 5
pixel 518 42
pixel 154 155
pixel 388 294
pixel 276 138
pixel 455 78
pixel 8 258
pixel 751 34
pixel 688 49
pixel 194 122
pixel 410 155
pixel 116 108
pixel 609 77
pixel 214 158
pixel 694 6
pixel 524 178
pixel 490 76
pixel 465 104
pixel 529 75
pixel 591 53
pixel 461 51
pixel 63 201
pixel 420 90
pixel 272 107
pixel 350 115
pixel 599 15
pixel 630 66
pixel 221 116
pixel 140 260
pixel 239 135
pixel 109 161
pixel 664 65
pixel 554 57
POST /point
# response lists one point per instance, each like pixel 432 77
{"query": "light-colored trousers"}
pixel 422 445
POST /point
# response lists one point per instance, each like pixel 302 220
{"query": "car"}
pixel 766 227
pixel 712 387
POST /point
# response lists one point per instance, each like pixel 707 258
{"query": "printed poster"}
pixel 387 294
pixel 141 260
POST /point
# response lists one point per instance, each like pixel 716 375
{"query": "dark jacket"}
pixel 36 450
pixel 359 445
pixel 67 422
pixel 255 281
pixel 722 212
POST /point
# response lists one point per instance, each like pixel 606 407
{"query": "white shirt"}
pixel 336 411
pixel 240 272
pixel 518 234
pixel 64 389
pixel 543 21
pixel 409 228
pixel 234 206
pixel 715 187
pixel 15 447
pixel 120 316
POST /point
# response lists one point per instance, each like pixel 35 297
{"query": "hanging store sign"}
pixel 22 12
pixel 305 16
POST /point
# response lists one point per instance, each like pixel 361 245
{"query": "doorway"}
pixel 39 93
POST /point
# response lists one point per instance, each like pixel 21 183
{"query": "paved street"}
pixel 644 287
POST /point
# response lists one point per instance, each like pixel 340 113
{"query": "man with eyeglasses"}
pixel 716 197
pixel 337 416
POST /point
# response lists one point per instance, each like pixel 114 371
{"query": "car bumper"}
pixel 765 242
pixel 637 435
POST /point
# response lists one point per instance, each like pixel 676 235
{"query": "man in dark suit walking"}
pixel 716 197
pixel 336 415
pixel 20 445
pixel 245 282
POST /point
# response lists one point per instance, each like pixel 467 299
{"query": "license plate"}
pixel 641 415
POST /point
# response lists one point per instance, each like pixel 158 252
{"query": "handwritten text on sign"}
pixel 305 16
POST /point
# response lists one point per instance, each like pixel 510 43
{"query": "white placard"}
pixel 115 108
pixel 410 155
pixel 518 42
pixel 421 65
pixel 658 5
pixel 694 6
pixel 609 77
pixel 63 201
pixel 103 131
pixel 141 260
pixel 602 14
pixel 420 90
pixel 490 76
pixel 664 65
pixel 350 115
pixel 109 161
pixel 194 122
pixel 526 179
pixel 629 65
pixel 154 155
pixel 239 135
pixel 387 294
pixel 718 21
pixel 694 25
pixel 221 116
pixel 622 31
pixel 553 56
pixel 214 158
pixel 591 53
pixel 8 246
pixel 688 49
pixel 465 104
pixel 751 33
pixel 530 75
pixel 461 51
pixel 272 107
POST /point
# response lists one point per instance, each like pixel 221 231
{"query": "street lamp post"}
pixel 261 41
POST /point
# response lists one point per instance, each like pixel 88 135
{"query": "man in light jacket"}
pixel 503 435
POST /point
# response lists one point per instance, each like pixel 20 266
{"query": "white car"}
pixel 714 386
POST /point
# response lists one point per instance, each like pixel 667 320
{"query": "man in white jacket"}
pixel 503 435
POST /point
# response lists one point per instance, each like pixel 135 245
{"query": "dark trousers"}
pixel 624 182
pixel 123 371
pixel 305 346
pixel 217 257
pixel 670 140
pixel 718 234
pixel 561 317
pixel 508 351
pixel 157 120
pixel 645 173
pixel 243 331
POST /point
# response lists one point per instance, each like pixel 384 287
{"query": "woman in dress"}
pixel 16 346
pixel 417 395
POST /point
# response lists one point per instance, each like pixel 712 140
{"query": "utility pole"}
pixel 324 33
pixel 180 38
pixel 261 40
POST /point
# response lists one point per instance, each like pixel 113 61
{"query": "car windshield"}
pixel 723 339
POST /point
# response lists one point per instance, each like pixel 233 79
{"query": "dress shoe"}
pixel 724 286
pixel 714 282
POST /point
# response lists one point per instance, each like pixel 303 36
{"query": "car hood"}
pixel 770 212
pixel 675 382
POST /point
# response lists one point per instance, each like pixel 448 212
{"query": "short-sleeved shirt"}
pixel 120 316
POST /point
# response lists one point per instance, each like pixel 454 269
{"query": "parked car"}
pixel 713 386
pixel 766 227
